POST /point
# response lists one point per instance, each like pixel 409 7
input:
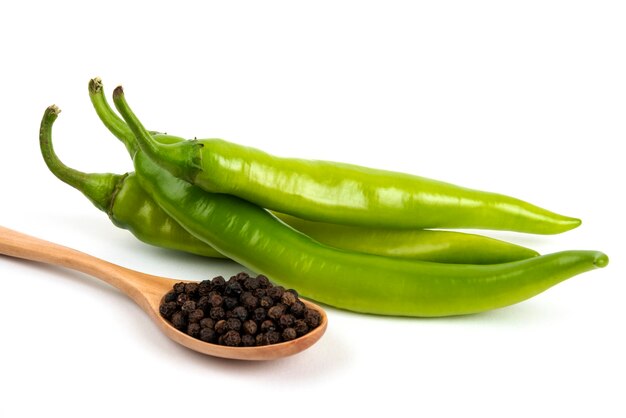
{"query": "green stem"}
pixel 181 158
pixel 114 123
pixel 100 188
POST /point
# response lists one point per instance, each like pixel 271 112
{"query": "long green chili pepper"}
pixel 360 282
pixel 130 207
pixel 342 193
pixel 416 244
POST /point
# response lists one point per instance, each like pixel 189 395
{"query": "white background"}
pixel 525 98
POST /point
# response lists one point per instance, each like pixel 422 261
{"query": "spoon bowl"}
pixel 147 291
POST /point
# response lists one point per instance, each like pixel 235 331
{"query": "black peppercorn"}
pixel 272 337
pixel 259 293
pixel 276 292
pixel 268 325
pixel 248 340
pixel 289 298
pixel 217 313
pixel 216 300
pixel 301 327
pixel 250 327
pixel 250 302
pixel 207 335
pixel 167 309
pixel 204 303
pixel 233 324
pixel 240 313
pixel 204 287
pixel 263 281
pixel 170 296
pixel 218 282
pixel 193 330
pixel 259 314
pixel 297 309
pixel 188 306
pixel 260 339
pixel 286 320
pixel 233 288
pixel 266 302
pixel 221 326
pixel 242 276
pixel 179 287
pixel 251 283
pixel 232 338
pixel 179 321
pixel 195 316
pixel 230 302
pixel 312 318
pixel 276 311
pixel 289 334
pixel 191 289
pixel 181 298
pixel 207 323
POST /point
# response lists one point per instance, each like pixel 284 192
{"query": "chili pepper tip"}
pixel 601 260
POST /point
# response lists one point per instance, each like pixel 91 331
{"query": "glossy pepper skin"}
pixel 137 212
pixel 347 194
pixel 366 283
pixel 437 246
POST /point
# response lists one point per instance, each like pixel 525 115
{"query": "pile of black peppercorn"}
pixel 243 311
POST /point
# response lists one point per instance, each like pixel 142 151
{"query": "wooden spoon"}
pixel 147 291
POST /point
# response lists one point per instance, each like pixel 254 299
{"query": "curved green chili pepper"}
pixel 130 208
pixel 342 193
pixel 360 282
pixel 122 198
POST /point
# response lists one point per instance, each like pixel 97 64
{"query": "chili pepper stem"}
pixel 182 159
pixel 99 188
pixel 114 123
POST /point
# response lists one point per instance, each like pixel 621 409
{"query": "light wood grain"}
pixel 147 291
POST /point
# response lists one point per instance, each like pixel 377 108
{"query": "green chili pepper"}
pixel 438 246
pixel 130 207
pixel 360 282
pixel 345 194
pixel 122 198
pixel 416 244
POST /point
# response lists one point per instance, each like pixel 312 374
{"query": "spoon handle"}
pixel 19 245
